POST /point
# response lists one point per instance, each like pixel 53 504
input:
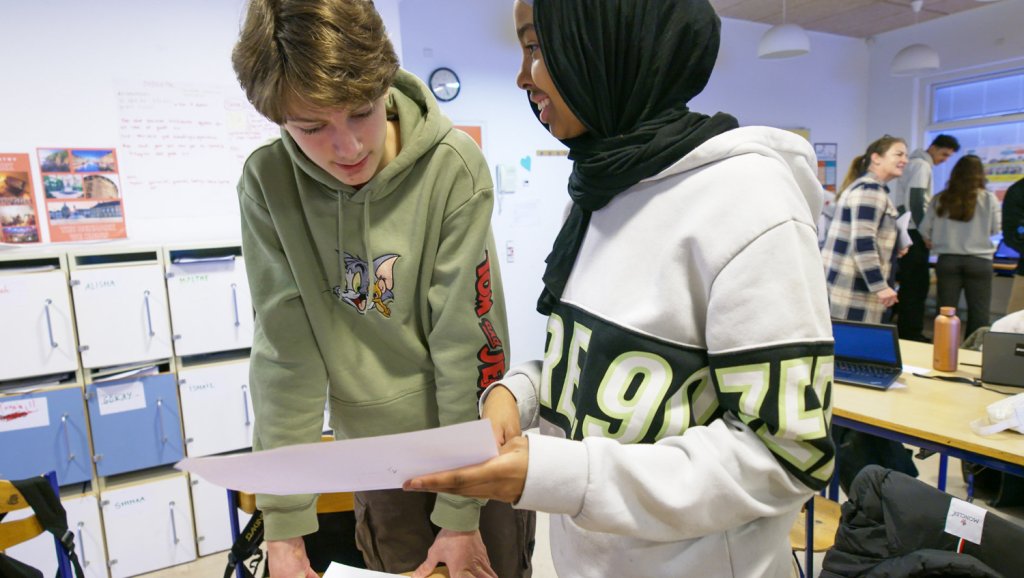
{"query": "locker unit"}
pixel 213 525
pixel 208 293
pixel 135 423
pixel 120 308
pixel 216 407
pixel 45 430
pixel 84 523
pixel 148 524
pixel 38 336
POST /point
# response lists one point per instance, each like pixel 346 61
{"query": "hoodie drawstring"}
pixel 370 270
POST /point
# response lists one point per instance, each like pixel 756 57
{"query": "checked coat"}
pixel 858 251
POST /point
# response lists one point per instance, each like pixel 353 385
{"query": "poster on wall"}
pixel 83 194
pixel 1004 165
pixel 826 153
pixel 19 223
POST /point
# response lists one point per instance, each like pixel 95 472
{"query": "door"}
pixel 216 407
pixel 135 423
pixel 37 337
pixel 45 430
pixel 213 523
pixel 148 526
pixel 121 314
pixel 211 309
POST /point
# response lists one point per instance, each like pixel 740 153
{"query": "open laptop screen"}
pixel 866 342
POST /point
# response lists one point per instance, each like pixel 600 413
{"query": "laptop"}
pixel 1002 359
pixel 867 354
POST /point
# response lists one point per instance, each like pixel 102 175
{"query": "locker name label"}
pixel 193 279
pixel 21 414
pixel 200 387
pixel 104 284
pixel 121 397
pixel 130 502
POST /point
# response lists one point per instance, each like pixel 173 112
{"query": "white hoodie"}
pixel 692 354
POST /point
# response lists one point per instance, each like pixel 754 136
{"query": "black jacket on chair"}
pixel 894 525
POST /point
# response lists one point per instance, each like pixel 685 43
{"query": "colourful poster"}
pixel 826 153
pixel 1004 165
pixel 83 194
pixel 18 220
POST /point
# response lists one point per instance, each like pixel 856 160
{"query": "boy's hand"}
pixel 501 478
pixel 500 407
pixel 287 559
pixel 463 552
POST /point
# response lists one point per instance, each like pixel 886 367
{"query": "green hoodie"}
pixel 416 352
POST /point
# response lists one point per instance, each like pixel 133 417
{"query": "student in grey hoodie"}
pixel 913 192
pixel 366 231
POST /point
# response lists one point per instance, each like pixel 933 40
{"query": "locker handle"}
pixel 160 417
pixel 174 526
pixel 149 318
pixel 245 403
pixel 234 300
pixel 67 436
pixel 49 325
pixel 81 546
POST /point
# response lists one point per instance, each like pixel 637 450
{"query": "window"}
pixel 986 114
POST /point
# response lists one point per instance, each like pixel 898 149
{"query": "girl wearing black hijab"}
pixel 684 398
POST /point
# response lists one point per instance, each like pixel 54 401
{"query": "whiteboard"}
pixel 150 79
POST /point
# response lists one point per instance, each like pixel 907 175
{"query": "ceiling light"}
pixel 916 58
pixel 784 40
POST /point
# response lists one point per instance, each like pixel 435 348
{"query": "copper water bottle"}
pixel 946 341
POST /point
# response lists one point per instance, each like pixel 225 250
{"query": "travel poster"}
pixel 83 194
pixel 18 221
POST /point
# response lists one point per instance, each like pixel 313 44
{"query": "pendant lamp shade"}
pixel 784 41
pixel 914 59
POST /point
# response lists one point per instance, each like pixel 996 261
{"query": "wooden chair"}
pixel 821 533
pixel 15 532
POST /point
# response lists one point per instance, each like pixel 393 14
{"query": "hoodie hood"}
pixel 791 150
pixel 923 155
pixel 421 127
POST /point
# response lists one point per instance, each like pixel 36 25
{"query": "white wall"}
pixel 823 91
pixel 68 67
pixel 985 39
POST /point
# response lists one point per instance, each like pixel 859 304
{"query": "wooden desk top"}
pixel 934 410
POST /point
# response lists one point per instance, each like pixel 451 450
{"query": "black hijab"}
pixel 626 69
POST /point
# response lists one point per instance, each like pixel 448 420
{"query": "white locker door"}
pixel 84 521
pixel 216 408
pixel 122 315
pixel 211 309
pixel 37 336
pixel 213 522
pixel 148 526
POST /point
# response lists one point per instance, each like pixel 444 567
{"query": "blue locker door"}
pixel 43 431
pixel 135 423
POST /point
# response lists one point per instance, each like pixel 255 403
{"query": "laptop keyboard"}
pixel 865 369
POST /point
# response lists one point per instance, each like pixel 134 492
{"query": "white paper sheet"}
pixel 336 570
pixel 902 225
pixel 374 463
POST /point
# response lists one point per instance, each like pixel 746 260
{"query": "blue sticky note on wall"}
pixel 525 162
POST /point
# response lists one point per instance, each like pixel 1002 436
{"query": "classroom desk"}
pixel 930 414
